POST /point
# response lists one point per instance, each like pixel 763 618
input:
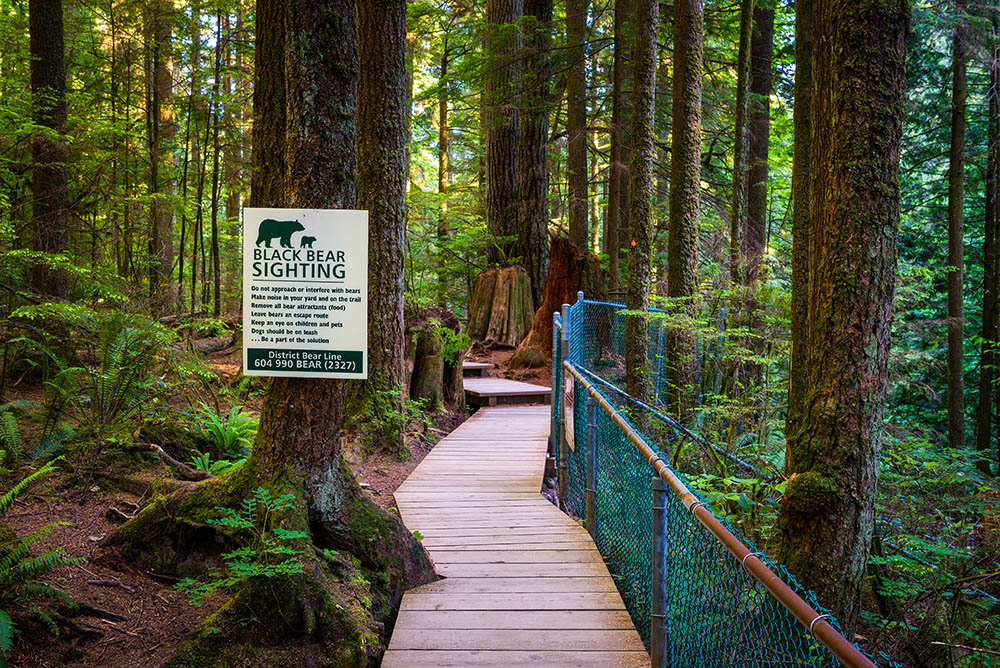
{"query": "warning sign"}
pixel 305 293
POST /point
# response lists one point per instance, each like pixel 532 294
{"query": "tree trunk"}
pixel 738 213
pixel 383 98
pixel 827 514
pixel 685 185
pixel 616 214
pixel 161 134
pixel 647 19
pixel 956 249
pixel 533 166
pixel 800 214
pixel 442 222
pixel 216 114
pixel 761 51
pixel 984 414
pixel 305 156
pixel 576 121
pixel 502 122
pixel 50 198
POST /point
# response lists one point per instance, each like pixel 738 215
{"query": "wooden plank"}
pixel 418 600
pixel 507 556
pixel 518 639
pixel 548 658
pixel 607 620
pixel 538 585
pixel 518 570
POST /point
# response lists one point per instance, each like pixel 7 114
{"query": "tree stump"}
pixel 569 272
pixel 500 308
pixel 434 358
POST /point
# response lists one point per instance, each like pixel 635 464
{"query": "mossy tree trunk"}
pixel 956 245
pixel 984 413
pixel 533 145
pixel 383 99
pixel 647 20
pixel 576 121
pixel 827 514
pixel 800 214
pixel 305 156
pixel 501 121
pixel 616 213
pixel 685 184
pixel 50 194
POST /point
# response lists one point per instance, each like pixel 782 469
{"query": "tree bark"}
pixel 161 134
pixel 383 98
pixel 800 214
pixel 685 185
pixel 616 214
pixel 50 195
pixel 533 166
pixel 442 222
pixel 216 115
pixel 738 213
pixel 956 248
pixel 827 514
pixel 647 19
pixel 761 52
pixel 987 360
pixel 502 125
pixel 576 122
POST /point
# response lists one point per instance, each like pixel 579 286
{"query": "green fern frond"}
pixel 7 500
pixel 10 432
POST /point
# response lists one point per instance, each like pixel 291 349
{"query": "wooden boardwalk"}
pixel 524 584
pixel 488 391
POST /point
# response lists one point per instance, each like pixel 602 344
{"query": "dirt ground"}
pixel 134 621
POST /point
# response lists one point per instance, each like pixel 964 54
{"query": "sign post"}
pixel 305 293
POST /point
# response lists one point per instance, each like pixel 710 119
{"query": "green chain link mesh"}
pixel 717 614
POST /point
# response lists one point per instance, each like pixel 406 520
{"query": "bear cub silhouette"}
pixel 274 229
pixel 306 242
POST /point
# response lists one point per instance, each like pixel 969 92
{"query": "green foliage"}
pixel 23 589
pixel 203 462
pixel 231 436
pixel 268 551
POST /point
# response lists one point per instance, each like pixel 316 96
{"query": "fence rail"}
pixel 698 594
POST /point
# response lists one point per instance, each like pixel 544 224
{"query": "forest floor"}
pixel 135 619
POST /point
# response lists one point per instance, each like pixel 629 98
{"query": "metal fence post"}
pixel 658 584
pixel 556 422
pixel 591 466
pixel 563 446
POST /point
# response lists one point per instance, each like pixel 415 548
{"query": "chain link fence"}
pixel 698 594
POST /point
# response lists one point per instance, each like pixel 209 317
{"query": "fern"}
pixel 10 433
pixel 22 587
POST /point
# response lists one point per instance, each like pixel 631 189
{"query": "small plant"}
pixel 10 436
pixel 21 572
pixel 230 436
pixel 269 550
pixel 203 462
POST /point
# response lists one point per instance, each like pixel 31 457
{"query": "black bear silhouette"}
pixel 306 242
pixel 272 229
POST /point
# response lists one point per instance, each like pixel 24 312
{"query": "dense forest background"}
pixel 152 146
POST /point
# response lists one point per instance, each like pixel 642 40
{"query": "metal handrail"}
pixel 816 623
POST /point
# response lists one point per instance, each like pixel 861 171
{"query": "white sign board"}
pixel 305 293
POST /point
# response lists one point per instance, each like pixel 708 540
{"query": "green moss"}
pixel 811 493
